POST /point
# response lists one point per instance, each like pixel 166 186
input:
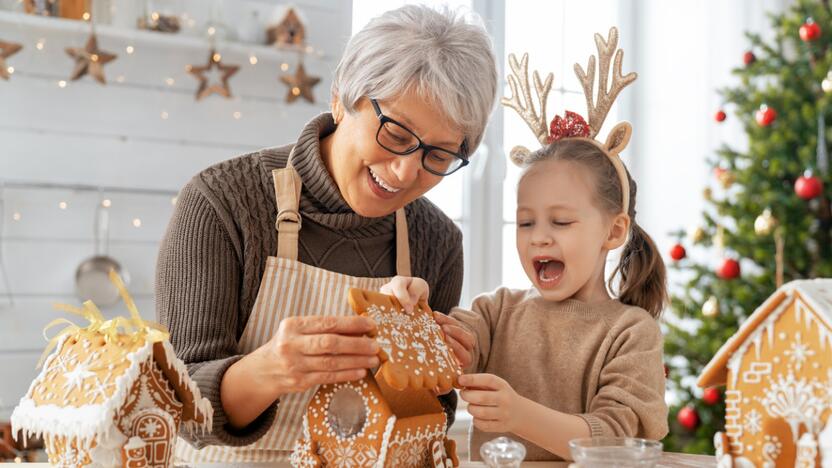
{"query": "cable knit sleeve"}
pixel 198 278
pixel 629 401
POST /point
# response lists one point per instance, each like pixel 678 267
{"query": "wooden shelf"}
pixel 145 37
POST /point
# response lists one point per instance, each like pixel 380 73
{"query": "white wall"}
pixel 684 52
pixel 114 136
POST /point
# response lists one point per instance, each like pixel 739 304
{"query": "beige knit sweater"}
pixel 602 362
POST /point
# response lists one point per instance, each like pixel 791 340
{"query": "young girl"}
pixel 564 360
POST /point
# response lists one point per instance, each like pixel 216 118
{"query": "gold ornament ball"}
pixel 710 308
pixel 696 235
pixel 764 223
pixel 826 84
pixel 707 194
pixel 727 179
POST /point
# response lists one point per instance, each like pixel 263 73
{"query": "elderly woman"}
pixel 257 259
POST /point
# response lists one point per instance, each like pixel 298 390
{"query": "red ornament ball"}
pixel 711 396
pixel 729 269
pixel 748 58
pixel 766 116
pixel 677 252
pixel 720 116
pixel 809 31
pixel 688 418
pixel 666 370
pixel 808 186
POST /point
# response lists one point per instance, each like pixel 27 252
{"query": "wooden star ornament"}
pixel 7 49
pixel 300 84
pixel 90 60
pixel 214 66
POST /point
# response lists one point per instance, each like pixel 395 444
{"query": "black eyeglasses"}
pixel 400 140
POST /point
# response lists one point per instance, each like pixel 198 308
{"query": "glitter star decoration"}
pixel 219 84
pixel 76 377
pixel 7 49
pixel 90 60
pixel 300 84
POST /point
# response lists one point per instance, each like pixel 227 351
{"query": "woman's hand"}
pixel 408 290
pixel 460 340
pixel 495 406
pixel 317 350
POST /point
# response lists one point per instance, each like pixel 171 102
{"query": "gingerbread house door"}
pixel 157 429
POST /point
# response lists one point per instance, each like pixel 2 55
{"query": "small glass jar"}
pixel 503 452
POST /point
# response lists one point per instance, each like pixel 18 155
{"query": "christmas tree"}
pixel 767 220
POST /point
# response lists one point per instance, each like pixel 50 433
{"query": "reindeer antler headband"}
pixel 573 125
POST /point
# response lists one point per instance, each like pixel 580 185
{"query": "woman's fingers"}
pixel 315 325
pixel 322 378
pixel 340 362
pixel 312 345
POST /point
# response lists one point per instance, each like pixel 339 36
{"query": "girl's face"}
pixel 562 236
pixel 373 181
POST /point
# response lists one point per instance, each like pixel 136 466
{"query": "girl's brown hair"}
pixel 643 275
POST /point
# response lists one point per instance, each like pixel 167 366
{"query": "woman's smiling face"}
pixel 372 180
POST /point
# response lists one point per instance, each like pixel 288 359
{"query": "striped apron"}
pixel 290 288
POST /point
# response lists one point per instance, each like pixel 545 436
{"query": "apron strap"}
pixel 287 185
pixel 402 245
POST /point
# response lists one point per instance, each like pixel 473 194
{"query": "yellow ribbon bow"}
pixel 134 327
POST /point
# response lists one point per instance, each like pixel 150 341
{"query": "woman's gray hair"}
pixel 444 56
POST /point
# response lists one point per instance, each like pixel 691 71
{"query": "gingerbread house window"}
pixel 346 412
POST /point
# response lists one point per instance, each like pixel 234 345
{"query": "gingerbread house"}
pixel 110 391
pixel 392 418
pixel 288 30
pixel 777 370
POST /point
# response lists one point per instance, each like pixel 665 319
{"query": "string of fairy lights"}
pixel 63 203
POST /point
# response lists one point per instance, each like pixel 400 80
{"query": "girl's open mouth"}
pixel 549 271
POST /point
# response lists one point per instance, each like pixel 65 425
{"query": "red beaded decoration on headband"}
pixel 573 125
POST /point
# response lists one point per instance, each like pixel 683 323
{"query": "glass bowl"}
pixel 619 452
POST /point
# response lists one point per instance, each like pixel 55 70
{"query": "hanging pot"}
pixel 92 277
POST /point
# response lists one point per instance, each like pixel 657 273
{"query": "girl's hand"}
pixel 458 338
pixel 492 402
pixel 408 290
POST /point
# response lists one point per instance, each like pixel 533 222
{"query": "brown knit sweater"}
pixel 212 258
pixel 602 362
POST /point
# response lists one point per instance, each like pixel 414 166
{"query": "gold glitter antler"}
pixel 520 79
pixel 597 111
